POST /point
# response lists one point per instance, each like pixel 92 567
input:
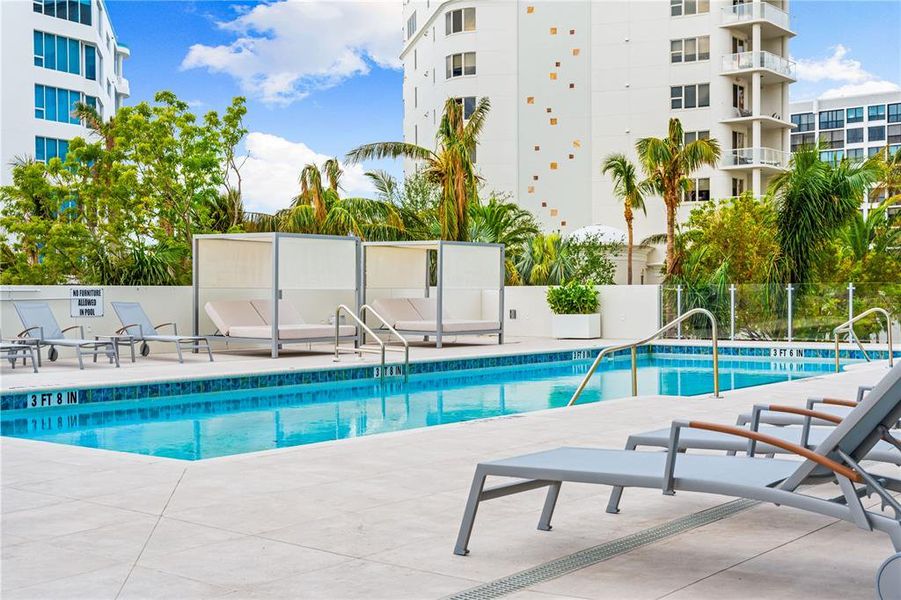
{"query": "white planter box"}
pixel 581 327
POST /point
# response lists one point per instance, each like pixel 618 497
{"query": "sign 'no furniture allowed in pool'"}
pixel 86 302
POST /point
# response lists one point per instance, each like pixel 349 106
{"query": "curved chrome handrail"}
pixel 367 308
pixel 653 336
pixel 848 326
pixel 359 350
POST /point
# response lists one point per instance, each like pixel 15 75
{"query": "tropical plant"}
pixel 668 164
pixel 545 260
pixel 591 259
pixel 573 298
pixel 630 190
pixel 815 199
pixel 450 166
pixel 502 222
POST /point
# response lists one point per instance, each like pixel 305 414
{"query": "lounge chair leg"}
pixel 469 514
pixel 80 361
pixel 115 354
pixel 178 351
pixel 209 351
pixel 550 502
pixel 613 503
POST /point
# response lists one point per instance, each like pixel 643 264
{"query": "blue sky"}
pixel 321 76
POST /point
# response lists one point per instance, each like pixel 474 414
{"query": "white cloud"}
pixel 283 51
pixel 839 67
pixel 272 166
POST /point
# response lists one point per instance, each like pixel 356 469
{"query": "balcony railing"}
pixel 748 61
pixel 755 11
pixel 756 157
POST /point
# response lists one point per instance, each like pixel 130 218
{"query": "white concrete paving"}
pixel 376 517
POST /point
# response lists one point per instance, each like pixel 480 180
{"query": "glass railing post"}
pixel 789 290
pixel 850 301
pixel 679 311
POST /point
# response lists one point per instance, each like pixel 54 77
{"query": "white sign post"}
pixel 86 302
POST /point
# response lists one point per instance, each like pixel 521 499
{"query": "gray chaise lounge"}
pixel 11 351
pixel 138 325
pixel 775 480
pixel 39 323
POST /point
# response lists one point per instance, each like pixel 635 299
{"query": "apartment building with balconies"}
pixel 573 81
pixel 53 55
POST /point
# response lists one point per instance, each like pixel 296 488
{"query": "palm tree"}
pixel 628 189
pixel 450 166
pixel 871 234
pixel 501 222
pixel 668 164
pixel 546 260
pixel 814 200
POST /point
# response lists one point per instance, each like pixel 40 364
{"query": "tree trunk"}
pixel 629 245
pixel 670 234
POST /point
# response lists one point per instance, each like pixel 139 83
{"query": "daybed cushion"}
pixel 396 309
pixel 228 314
pixel 449 326
pixel 287 314
pixel 426 307
pixel 291 332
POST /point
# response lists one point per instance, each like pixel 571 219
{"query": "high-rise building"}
pixel 572 81
pixel 53 55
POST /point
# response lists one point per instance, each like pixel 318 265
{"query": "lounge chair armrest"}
pixel 80 329
pixel 807 413
pixel 863 389
pixel 828 463
pixel 124 330
pixel 173 325
pixel 25 332
pixel 831 402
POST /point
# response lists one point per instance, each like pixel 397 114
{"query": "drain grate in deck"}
pixel 600 553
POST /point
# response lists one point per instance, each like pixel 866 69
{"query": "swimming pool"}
pixel 198 426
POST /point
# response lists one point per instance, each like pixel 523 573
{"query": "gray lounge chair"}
pixel 138 325
pixel 775 480
pixel 832 406
pixel 12 350
pixel 40 324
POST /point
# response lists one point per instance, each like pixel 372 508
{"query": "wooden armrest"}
pixel 69 328
pixel 821 460
pixel 173 325
pixel 806 412
pixel 24 332
pixel 837 402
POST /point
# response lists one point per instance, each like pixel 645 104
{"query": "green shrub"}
pixel 573 298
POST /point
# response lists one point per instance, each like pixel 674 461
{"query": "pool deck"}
pixel 64 373
pixel 376 517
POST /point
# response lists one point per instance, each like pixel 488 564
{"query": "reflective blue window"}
pixel 74 99
pixel 49 51
pixel 39 105
pixel 54 104
pixel 77 11
pixel 85 16
pixel 51 103
pixel 38 49
pixel 74 58
pixel 62 149
pixel 62 54
pixel 46 148
pixel 90 62
pixel 40 150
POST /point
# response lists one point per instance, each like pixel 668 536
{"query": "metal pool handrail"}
pixel 848 326
pixel 359 350
pixel 653 336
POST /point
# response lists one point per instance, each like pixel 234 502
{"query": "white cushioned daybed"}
pixel 419 316
pixel 251 320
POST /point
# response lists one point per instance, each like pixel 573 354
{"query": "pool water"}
pixel 224 423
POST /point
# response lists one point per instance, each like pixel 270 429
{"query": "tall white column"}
pixel 756 91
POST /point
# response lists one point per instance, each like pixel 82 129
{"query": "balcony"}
pixel 122 86
pixel 766 159
pixel 773 21
pixel 774 69
pixel 767 121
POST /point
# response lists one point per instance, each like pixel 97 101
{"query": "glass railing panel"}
pixel 881 295
pixel 817 309
pixel 755 11
pixel 743 61
pixel 761 312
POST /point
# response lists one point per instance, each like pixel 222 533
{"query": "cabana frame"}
pixel 439 246
pixel 273 238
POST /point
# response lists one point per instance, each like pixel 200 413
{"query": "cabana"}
pixel 275 288
pixel 436 288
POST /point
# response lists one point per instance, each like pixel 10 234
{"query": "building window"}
pixel 802 139
pixel 462 19
pixel 46 148
pixel 469 106
pixel 803 122
pixel 832 119
pixel 458 65
pixel 77 11
pixel 690 49
pixel 894 113
pixel 90 62
pixel 691 136
pixel 690 96
pixel 871 152
pixel 832 156
pixel 876 112
pixel 57 52
pixel 876 134
pixel 699 192
pixel 855 154
pixel 855 136
pixel 738 186
pixel 833 139
pixel 894 134
pixel 56 104
pixel 688 7
pixel 411 25
pixel 855 115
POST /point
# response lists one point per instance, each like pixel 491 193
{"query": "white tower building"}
pixel 571 81
pixel 54 54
